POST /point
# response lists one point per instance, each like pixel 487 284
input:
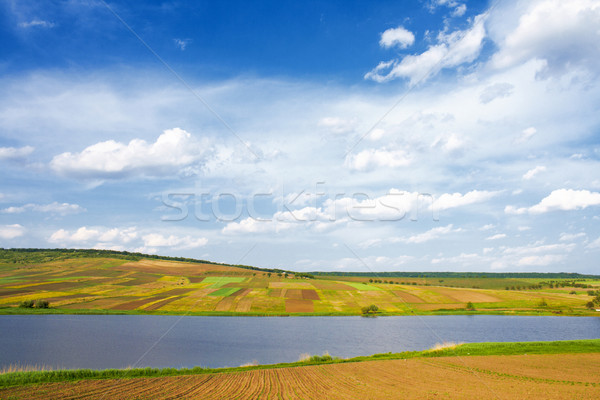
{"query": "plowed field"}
pixel 562 376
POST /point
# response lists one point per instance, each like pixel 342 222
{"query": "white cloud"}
pixel 540 261
pixel 449 143
pixel 174 149
pixel 569 237
pixel 447 200
pixel 561 199
pixel 54 208
pixel 374 158
pixel 487 227
pixel 526 135
pixel 563 33
pixel 176 242
pixel 11 153
pixel 182 43
pixel 452 50
pixel 431 234
pixel 338 125
pixel 37 23
pixel 86 235
pixel 595 244
pixel 533 172
pixel 399 37
pixel 496 237
pixel 459 11
pixel 11 231
pixel 496 91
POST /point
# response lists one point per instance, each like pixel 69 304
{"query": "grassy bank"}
pixel 463 350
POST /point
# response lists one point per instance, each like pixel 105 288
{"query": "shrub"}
pixel 590 305
pixel 42 304
pixel 370 309
pixel 470 306
pixel 572 292
pixel 543 303
pixel 27 304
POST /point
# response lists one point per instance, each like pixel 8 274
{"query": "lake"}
pixel 119 341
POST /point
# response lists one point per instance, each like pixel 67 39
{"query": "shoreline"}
pixel 19 378
pixel 64 311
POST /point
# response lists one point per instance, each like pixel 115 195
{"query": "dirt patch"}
pixel 299 306
pixel 244 305
pixel 465 295
pixel 274 292
pixel 13 292
pixel 132 305
pixel 407 297
pixel 225 304
pixel 195 279
pixel 310 294
pixel 294 294
pixel 139 280
pixel 158 305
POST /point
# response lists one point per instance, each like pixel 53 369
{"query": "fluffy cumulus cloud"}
pixel 453 200
pixel 175 242
pixel 397 37
pixel 52 208
pixel 563 33
pixel 174 149
pixel 451 50
pixel 130 238
pixel 431 234
pixel 561 199
pixel 378 158
pixel 11 231
pixel 12 153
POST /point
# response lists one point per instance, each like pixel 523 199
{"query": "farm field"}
pixel 548 376
pixel 81 285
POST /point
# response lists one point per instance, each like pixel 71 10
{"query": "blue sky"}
pixel 424 135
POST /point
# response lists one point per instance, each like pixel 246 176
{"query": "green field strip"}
pixel 224 292
pixel 218 281
pixel 361 286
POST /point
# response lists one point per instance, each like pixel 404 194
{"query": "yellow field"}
pixel 181 287
pixel 557 376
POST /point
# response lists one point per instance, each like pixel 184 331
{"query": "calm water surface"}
pixel 118 341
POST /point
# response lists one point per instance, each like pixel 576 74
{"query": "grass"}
pixel 361 286
pixel 463 350
pixel 224 292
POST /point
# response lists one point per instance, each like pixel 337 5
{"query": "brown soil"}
pixel 244 305
pixel 225 304
pixel 465 295
pixel 407 297
pixel 156 306
pixel 294 294
pixel 132 305
pixel 572 376
pixel 310 294
pixel 295 305
pixel 275 293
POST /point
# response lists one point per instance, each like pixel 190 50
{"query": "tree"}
pixel 470 306
pixel 372 309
